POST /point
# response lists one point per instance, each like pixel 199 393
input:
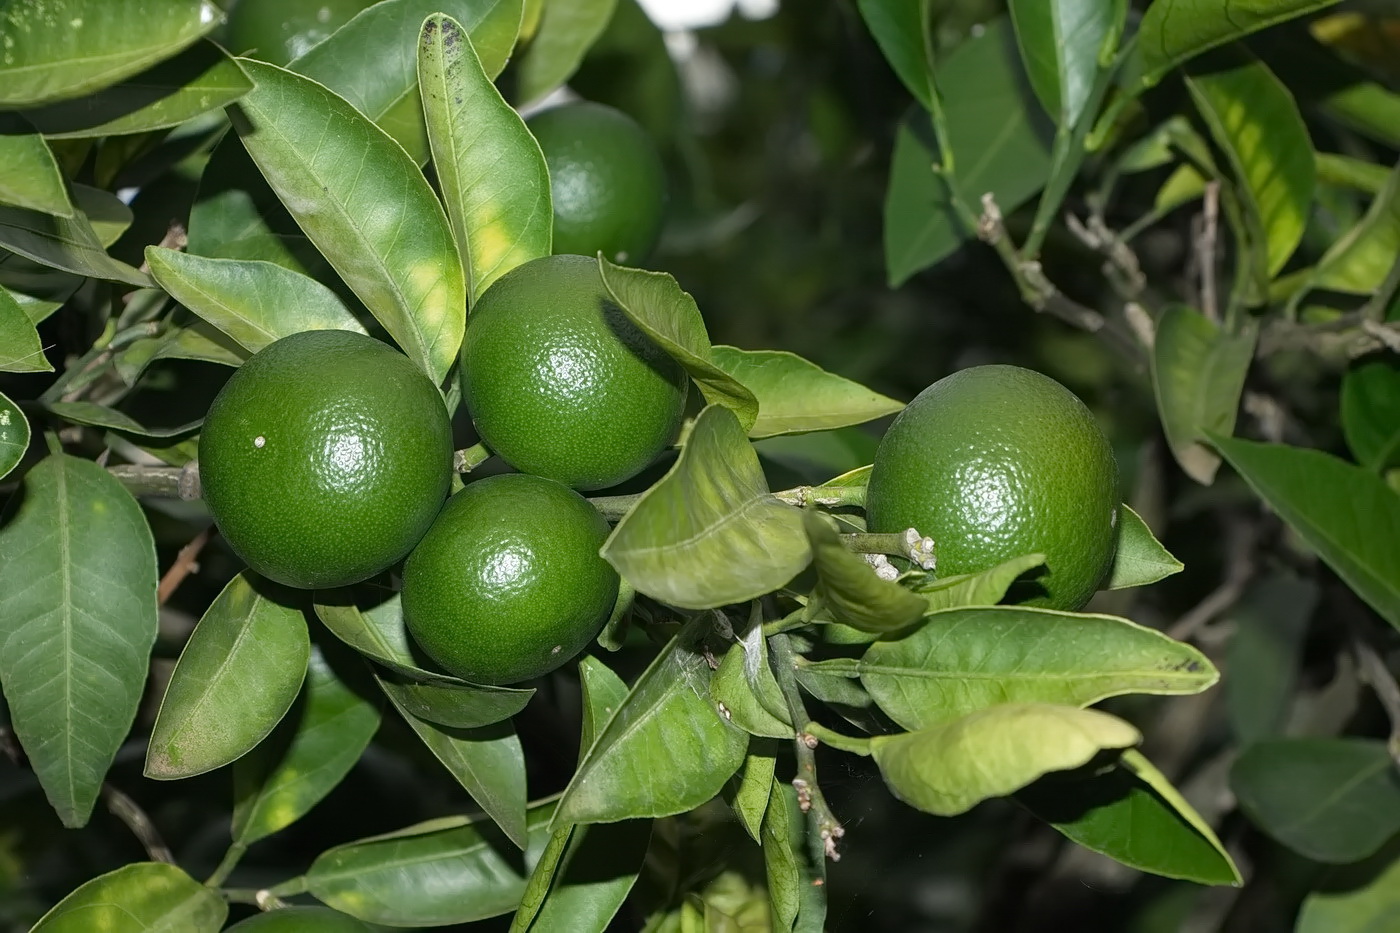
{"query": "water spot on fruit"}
pixel 259 441
pixel 556 649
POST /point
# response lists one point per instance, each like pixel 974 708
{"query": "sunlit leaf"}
pixel 566 30
pixel 31 178
pixel 901 28
pixel 143 897
pixel 20 349
pixel 849 588
pixel 14 435
pixel 795 396
pixel 1139 558
pixel 986 588
pixel 745 690
pixel 69 244
pixel 1061 43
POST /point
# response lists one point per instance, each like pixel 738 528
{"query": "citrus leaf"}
pixel 451 870
pixel 1357 263
pixel 20 349
pixel 976 589
pixel 31 178
pixel 849 588
pixel 143 897
pixel 635 767
pixel 963 660
pixel 1132 814
pixel 1367 107
pixel 1061 42
pixel 951 767
pixel 106 213
pixel 366 207
pixel 1361 898
pixel 1198 373
pixel 709 533
pixel 901 31
pixel 603 692
pixel 655 302
pixel 200 79
pixel 1139 558
pixel 490 170
pixel 1270 624
pixel 1001 145
pixel 280 781
pixel 77 621
pixel 100 416
pixel 795 878
pixel 1371 412
pixel 795 396
pixel 1255 121
pixel 236 678
pixel 67 243
pixel 253 302
pixel 1333 800
pixel 372 61
pixel 747 792
pixel 1175 31
pixel 594 877
pixel 1347 172
pixel 567 30
pixel 14 435
pixel 537 885
pixel 744 689
pixel 487 761
pixel 72 47
pixel 379 634
pixel 1345 513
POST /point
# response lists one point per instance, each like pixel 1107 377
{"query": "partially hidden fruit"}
pixel 561 384
pixel 605 179
pixel 279 31
pixel 325 458
pixel 507 585
pixel 301 920
pixel 994 462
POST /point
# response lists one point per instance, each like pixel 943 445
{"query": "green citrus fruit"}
pixel 279 31
pixel 507 585
pixel 994 462
pixel 325 458
pixel 561 384
pixel 606 181
pixel 301 920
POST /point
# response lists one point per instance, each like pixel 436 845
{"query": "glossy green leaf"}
pixel 1000 142
pixel 1359 260
pixel 31 178
pixel 795 396
pixel 848 587
pixel 965 660
pixel 1255 121
pixel 1131 813
pixel 976 589
pixel 487 761
pixel 72 47
pixel 655 302
pixel 1139 558
pixel 105 212
pixel 14 435
pixel 1332 800
pixel 1061 43
pixel 1361 898
pixel 69 244
pixel 1175 31
pixel 451 870
pixel 77 621
pixel 253 302
pixel 1270 622
pixel 538 884
pixel 603 694
pixel 1367 107
pixel 20 349
pixel 567 30
pixel 236 678
pixel 595 875
pixel 316 746
pixel 101 416
pixel 951 767
pixel 198 80
pixel 709 532
pixel 1345 513
pixel 744 689
pixel 901 29
pixel 1347 172
pixel 379 634
pixel 1371 412
pixel 747 792
pixel 792 874
pixel 366 207
pixel 636 767
pixel 1198 373
pixel 490 170
pixel 1183 185
pixel 372 61
pixel 143 897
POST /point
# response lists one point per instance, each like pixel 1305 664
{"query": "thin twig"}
pixel 1205 246
pixel 136 820
pixel 173 482
pixel 186 562
pixel 809 792
pixel 1239 570
pixel 1373 670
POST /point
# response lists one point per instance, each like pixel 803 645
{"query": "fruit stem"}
pixel 613 508
pixel 828 496
pixel 908 544
pixel 795 619
pixel 809 793
pixel 847 743
pixel 172 482
pixel 226 866
pixel 464 461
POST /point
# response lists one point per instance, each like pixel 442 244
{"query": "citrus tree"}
pixel 609 663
